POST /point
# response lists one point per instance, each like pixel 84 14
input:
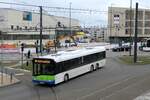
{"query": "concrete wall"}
pixel 15 18
pixel 3 20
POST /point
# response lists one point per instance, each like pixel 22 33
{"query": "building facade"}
pixel 24 26
pixel 97 33
pixel 121 25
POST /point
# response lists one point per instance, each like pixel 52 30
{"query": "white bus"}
pixel 64 65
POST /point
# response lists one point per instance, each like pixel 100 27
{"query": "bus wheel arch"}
pixel 66 77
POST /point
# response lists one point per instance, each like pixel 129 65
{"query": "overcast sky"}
pixel 87 19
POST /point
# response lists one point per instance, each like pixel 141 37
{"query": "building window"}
pixel 140 23
pixel 140 15
pixel 26 27
pixel 20 28
pixel 17 27
pixel 140 31
pixel 147 31
pixel 147 23
pixel 127 31
pixel 12 27
pixel 147 15
pixel 127 24
pixel 127 13
pixel 27 16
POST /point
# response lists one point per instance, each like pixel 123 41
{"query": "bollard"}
pixel 11 77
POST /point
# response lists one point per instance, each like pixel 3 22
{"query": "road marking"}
pixel 123 89
pixel 19 74
pixel 24 70
pixel 115 84
pixel 18 69
pixel 101 90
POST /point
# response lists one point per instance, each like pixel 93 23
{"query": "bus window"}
pixel 59 67
pixel 44 69
pixel 48 69
pixel 36 69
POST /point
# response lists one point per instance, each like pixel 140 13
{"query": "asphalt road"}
pixel 116 81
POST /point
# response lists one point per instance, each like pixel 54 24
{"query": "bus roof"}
pixel 70 54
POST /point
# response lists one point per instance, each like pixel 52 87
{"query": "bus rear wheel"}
pixel 66 77
pixel 92 68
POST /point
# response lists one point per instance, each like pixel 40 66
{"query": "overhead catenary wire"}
pixel 57 8
pixel 19 4
pixel 62 11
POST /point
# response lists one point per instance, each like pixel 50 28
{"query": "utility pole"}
pixel 136 32
pixel 55 39
pixel 41 28
pixel 110 23
pixel 70 24
pixel 1 37
pixel 130 27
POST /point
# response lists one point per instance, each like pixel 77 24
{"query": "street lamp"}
pixel 41 29
pixel 55 38
pixel 70 23
pixel 130 27
pixel 57 29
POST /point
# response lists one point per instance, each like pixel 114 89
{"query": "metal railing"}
pixel 6 76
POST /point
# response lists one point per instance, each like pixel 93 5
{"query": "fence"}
pixel 6 76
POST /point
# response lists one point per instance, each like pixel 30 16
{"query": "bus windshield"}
pixel 43 69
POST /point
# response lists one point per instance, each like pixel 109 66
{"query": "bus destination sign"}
pixel 42 61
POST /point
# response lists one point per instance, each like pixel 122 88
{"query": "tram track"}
pixel 39 90
pixel 114 89
pixel 31 87
pixel 54 92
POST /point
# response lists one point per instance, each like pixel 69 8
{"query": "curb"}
pixel 18 69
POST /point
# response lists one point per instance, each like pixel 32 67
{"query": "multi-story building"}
pixel 97 33
pixel 121 24
pixel 24 26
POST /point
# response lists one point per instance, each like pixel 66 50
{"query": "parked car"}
pixel 121 48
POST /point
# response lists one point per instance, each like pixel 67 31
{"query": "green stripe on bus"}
pixel 44 77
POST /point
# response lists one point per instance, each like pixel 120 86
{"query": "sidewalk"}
pixel 6 80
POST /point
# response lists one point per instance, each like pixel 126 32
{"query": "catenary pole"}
pixel 130 28
pixel 136 32
pixel 41 28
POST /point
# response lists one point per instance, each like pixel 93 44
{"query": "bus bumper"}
pixel 50 82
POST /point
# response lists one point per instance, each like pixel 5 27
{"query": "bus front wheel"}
pixel 66 77
pixel 97 65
